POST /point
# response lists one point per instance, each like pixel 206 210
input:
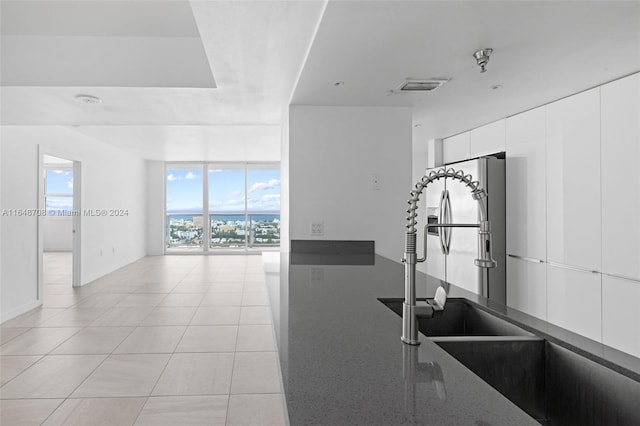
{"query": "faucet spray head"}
pixel 485 255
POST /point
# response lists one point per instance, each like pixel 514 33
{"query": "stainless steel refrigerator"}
pixel 451 251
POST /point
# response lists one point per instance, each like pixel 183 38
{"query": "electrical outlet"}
pixel 317 228
pixel 316 275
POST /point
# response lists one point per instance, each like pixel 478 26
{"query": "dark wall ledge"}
pixel 332 252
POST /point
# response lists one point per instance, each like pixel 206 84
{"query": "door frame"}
pixel 76 243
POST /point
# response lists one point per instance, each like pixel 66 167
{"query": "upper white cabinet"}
pixel 526 192
pixel 573 181
pixel 488 139
pixel 621 177
pixel 456 148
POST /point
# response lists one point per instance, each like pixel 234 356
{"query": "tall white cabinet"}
pixel 573 181
pixel 526 212
pixel 621 177
pixel 573 210
pixel 620 115
pixel 573 222
pixel 525 182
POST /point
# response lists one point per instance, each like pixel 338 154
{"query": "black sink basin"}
pixel 551 383
pixel 461 318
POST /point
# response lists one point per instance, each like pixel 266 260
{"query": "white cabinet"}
pixel 525 181
pixel 527 286
pixel 574 300
pixel 456 148
pixel 621 177
pixel 488 139
pixel 621 314
pixel 573 181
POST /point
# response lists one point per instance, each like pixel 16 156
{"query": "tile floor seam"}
pixel 17 335
pixel 54 410
pixel 140 411
pixel 160 375
pixel 23 371
pixel 98 366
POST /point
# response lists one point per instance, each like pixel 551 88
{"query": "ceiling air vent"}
pixel 415 85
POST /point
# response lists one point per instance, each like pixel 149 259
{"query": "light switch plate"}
pixel 317 228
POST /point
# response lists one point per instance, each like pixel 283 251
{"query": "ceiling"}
pixel 206 79
pixel 177 79
pixel 542 51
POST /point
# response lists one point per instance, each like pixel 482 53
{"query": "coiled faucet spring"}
pixel 434 175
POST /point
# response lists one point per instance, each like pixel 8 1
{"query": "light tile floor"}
pixel 166 340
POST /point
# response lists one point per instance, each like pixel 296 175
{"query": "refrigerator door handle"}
pixel 441 218
pixel 448 219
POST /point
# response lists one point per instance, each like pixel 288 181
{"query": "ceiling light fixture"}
pixel 88 99
pixel 421 85
pixel 482 58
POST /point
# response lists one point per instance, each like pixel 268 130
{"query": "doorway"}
pixel 58 229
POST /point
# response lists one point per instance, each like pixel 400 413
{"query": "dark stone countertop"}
pixel 343 363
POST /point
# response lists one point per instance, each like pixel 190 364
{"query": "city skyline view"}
pixel 243 206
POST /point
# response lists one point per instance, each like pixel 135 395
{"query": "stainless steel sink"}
pixel 460 318
pixel 554 385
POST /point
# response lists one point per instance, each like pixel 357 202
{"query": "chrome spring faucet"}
pixel 485 259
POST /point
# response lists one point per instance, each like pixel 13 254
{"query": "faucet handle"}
pixel 484 247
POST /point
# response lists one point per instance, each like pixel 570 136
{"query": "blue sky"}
pixel 59 182
pixel 226 190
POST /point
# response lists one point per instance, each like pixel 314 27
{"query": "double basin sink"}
pixel 551 383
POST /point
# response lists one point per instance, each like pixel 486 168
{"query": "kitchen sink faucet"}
pixel 410 311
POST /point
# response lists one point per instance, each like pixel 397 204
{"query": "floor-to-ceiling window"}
pixel 243 206
pixel 263 205
pixel 227 206
pixel 184 207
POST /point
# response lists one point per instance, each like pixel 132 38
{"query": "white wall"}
pixel 284 185
pixel 58 233
pixel 111 179
pixel 334 152
pixel 154 185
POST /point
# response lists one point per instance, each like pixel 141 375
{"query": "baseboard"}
pixel 6 316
